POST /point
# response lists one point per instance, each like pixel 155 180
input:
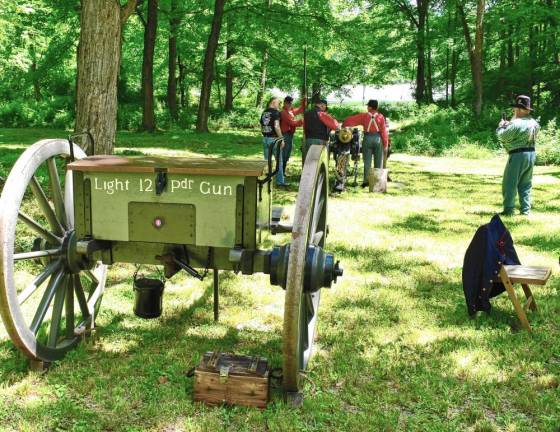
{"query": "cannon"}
pixel 346 146
pixel 65 217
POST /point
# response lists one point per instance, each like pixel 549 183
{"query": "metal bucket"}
pixel 148 297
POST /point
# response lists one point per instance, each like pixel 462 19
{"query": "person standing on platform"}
pixel 317 125
pixel 518 136
pixel 376 138
pixel 288 125
pixel 270 129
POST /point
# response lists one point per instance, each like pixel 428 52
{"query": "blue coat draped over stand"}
pixel 490 247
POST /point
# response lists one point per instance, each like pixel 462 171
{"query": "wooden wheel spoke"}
pixel 39 280
pixel 317 237
pixel 38 254
pixel 56 190
pixel 45 206
pixel 92 277
pixel 80 295
pixel 57 312
pixel 69 307
pixel 45 302
pixel 39 230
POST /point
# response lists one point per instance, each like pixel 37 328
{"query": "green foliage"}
pixel 56 112
pixel 548 144
pixel 244 118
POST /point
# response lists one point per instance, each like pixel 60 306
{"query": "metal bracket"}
pixel 161 182
pixel 224 374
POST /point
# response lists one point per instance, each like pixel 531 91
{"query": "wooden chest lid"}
pixel 236 364
pixel 172 165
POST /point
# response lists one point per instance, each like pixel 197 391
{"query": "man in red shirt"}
pixel 376 138
pixel 288 125
pixel 317 125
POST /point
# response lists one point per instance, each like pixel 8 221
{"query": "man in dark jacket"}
pixel 317 125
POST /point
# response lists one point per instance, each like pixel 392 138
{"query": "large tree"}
pixel 99 54
pixel 150 32
pixel 208 68
pixel 475 51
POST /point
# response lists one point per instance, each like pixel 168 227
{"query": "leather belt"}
pixel 522 150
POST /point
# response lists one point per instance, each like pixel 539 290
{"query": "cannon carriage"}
pixel 346 146
pixel 65 217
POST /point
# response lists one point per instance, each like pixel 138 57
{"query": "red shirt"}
pixel 365 120
pixel 288 123
pixel 327 120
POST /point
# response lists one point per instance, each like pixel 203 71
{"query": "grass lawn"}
pixel 396 350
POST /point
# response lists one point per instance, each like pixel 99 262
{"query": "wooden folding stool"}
pixel 524 275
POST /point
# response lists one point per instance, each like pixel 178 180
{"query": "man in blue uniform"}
pixel 518 137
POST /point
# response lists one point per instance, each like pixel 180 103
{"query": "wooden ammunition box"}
pixel 223 378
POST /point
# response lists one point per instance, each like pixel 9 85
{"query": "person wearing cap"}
pixel 317 125
pixel 376 138
pixel 270 129
pixel 288 125
pixel 518 137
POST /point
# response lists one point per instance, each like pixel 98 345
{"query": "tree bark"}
pixel 475 52
pixel 430 87
pixel 172 62
pixel 148 115
pixel 422 7
pixel 99 54
pixel 264 68
pixel 207 75
pixel 230 51
pixel 183 90
pixel 262 81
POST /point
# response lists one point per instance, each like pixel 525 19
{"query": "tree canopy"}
pixel 475 52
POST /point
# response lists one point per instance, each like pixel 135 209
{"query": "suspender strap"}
pixel 372 120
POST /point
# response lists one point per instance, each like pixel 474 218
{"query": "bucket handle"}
pixel 139 266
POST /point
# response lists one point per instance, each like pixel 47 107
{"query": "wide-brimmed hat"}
pixel 522 101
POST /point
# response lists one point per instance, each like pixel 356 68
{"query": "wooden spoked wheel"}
pixel 309 228
pixel 48 295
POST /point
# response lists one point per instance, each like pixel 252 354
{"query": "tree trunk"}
pixel 510 58
pixel 475 52
pixel 172 62
pixel 99 53
pixel 148 116
pixel 262 82
pixel 264 67
pixel 454 62
pixel 182 88
pixel 422 6
pixel 207 75
pixel 532 55
pixel 430 87
pixel 218 87
pixel 230 51
pixel 315 91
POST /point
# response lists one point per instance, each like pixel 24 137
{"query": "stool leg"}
pixel 530 297
pixel 516 305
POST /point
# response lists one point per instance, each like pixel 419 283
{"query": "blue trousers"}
pixel 280 174
pixel 518 176
pixel 373 149
pixel 287 150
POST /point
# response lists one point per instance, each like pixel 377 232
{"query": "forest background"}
pixel 209 65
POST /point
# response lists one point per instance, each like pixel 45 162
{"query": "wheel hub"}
pixel 320 271
pixel 73 261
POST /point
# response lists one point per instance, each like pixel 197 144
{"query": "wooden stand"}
pixel 524 275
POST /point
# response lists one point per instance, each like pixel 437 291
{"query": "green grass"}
pixel 396 349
